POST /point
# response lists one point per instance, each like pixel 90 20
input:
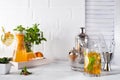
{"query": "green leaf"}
pixel 44 39
pixel 24 71
pixel 92 60
pixel 90 67
pixel 91 63
pixel 19 28
pixel 4 60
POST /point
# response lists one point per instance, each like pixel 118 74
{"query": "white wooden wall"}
pixel 60 21
pixel 100 18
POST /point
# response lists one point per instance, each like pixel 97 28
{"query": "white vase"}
pixel 5 68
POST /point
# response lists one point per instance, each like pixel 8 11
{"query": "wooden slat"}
pixel 100 18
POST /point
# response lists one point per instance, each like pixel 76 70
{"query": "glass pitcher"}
pixel 20 54
pixel 92 62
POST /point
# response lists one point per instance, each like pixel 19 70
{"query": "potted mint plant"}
pixel 33 35
pixel 5 65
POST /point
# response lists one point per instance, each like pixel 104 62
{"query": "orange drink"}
pixel 92 64
pixel 20 51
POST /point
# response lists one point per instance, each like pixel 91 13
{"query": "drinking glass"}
pixel 107 49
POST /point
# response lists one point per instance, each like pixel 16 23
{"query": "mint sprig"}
pixel 19 28
pixel 33 35
pixel 25 71
pixel 4 60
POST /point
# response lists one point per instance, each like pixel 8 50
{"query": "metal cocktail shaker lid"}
pixel 83 37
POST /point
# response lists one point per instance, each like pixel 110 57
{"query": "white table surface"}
pixel 58 70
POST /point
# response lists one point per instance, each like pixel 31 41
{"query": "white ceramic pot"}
pixel 5 68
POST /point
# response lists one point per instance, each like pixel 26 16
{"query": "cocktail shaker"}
pixel 77 54
pixel 81 42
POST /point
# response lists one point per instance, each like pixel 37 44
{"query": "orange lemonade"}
pixel 20 52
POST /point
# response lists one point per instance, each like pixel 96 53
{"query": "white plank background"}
pixel 100 18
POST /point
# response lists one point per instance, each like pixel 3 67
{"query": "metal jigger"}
pixel 107 56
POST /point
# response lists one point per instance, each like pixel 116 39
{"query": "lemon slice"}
pixel 7 38
pixel 86 61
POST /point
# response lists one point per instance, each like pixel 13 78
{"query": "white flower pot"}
pixel 5 68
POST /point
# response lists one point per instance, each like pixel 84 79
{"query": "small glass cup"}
pixel 76 61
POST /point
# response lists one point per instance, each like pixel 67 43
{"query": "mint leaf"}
pixel 91 63
pixel 92 60
pixel 19 28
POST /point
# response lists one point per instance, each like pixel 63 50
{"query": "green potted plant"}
pixel 5 65
pixel 33 35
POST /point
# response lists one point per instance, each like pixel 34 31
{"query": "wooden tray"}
pixel 31 63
